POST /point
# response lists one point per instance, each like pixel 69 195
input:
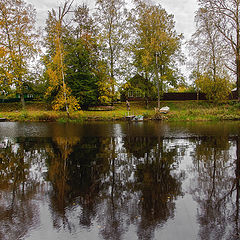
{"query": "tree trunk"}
pixel 22 94
pixel 157 79
pixel 112 73
pixel 238 76
pixel 237 186
pixel 237 53
pixel 158 92
pixel 22 100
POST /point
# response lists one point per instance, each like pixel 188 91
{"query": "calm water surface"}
pixel 119 181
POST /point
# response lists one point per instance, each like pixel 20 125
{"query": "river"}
pixel 136 180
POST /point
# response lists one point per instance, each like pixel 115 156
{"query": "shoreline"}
pixel 76 117
pixel 189 111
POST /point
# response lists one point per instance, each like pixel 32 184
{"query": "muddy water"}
pixel 119 181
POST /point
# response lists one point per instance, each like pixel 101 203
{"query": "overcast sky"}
pixel 183 11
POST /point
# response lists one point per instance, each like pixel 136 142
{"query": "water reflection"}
pixel 215 186
pixel 126 183
pixel 20 181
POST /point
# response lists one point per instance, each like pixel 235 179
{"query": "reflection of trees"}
pixel 58 175
pixel 235 217
pixel 113 205
pixel 214 186
pixel 18 186
pixel 88 166
pixel 159 188
pixel 139 146
pixel 112 183
pixel 144 196
pixel 110 180
pixel 13 167
pixel 76 168
pixel 58 172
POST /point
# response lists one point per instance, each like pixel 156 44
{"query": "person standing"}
pixel 128 105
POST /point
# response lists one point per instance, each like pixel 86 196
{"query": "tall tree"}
pixel 208 58
pixel 156 45
pixel 18 42
pixel 109 17
pixel 83 19
pixel 86 72
pixel 226 16
pixel 55 60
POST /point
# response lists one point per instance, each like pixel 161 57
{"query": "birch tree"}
pixel 55 61
pixel 209 58
pixel 226 16
pixel 18 43
pixel 109 17
pixel 157 45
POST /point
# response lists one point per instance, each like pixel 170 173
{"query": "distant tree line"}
pixel 81 58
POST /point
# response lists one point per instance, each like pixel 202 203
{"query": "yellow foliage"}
pixel 55 71
pixel 104 99
pixel 216 89
pixel 60 101
pixel 19 42
pixel 2 52
pixel 105 83
pixel 127 85
pixel 65 145
pixel 157 42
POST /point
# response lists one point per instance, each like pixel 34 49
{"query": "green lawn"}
pixel 179 111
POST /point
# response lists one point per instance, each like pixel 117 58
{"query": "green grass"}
pixel 179 111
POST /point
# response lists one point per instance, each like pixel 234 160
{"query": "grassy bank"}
pixel 179 111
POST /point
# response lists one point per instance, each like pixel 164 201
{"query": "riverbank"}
pixel 179 111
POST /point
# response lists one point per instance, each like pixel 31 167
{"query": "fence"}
pixel 11 100
pixel 183 96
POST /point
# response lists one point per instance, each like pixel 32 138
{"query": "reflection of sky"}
pixel 8 129
pixel 5 141
pixel 184 224
pixel 117 130
pixel 149 129
pixel 18 129
pixel 38 168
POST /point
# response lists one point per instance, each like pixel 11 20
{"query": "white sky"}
pixel 183 11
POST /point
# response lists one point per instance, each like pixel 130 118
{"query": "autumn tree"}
pixel 156 45
pixel 226 17
pixel 110 19
pixel 83 19
pixel 208 58
pixel 86 72
pixel 58 172
pixel 216 170
pixel 54 60
pixel 18 43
